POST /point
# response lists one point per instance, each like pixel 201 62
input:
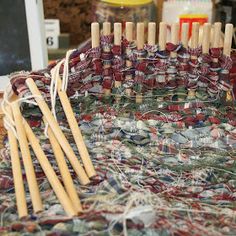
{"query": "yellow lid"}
pixel 127 2
pixel 192 16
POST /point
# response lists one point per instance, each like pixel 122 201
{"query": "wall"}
pixel 75 17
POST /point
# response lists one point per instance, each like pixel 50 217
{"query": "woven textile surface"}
pixel 165 166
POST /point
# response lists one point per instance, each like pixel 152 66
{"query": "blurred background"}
pixel 75 16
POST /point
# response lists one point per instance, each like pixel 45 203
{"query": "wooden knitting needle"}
pixel 129 30
pixel 206 38
pixel 57 131
pixel 83 151
pixel 229 28
pixel 65 173
pixel 95 34
pixel 88 165
pixel 162 36
pixel 117 42
pixel 27 160
pixel 174 37
pixel 152 28
pixel 49 172
pixel 17 173
pixel 107 31
pixel 140 45
pixel 184 34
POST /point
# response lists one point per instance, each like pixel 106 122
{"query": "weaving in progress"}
pixel 130 137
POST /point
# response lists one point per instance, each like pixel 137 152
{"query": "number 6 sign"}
pixel 52 28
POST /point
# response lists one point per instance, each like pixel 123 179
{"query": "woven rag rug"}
pixel 164 167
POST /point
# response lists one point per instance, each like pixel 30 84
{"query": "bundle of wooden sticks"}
pixel 20 133
pixel 19 129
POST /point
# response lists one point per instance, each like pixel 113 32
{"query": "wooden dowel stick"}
pixel 174 37
pixel 95 34
pixel 17 173
pixel 117 34
pixel 194 44
pixel 206 38
pixel 162 35
pixel 140 35
pixel 83 151
pixel 140 45
pixel 195 35
pixel 57 132
pixel 227 51
pixel 106 28
pixel 228 39
pixel 27 160
pixel 212 36
pixel 49 172
pixel 217 35
pixel 152 29
pixel 129 28
pixel 65 173
pixel 184 34
pixel 117 42
pixel 106 32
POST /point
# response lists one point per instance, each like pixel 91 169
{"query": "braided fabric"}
pixel 150 72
